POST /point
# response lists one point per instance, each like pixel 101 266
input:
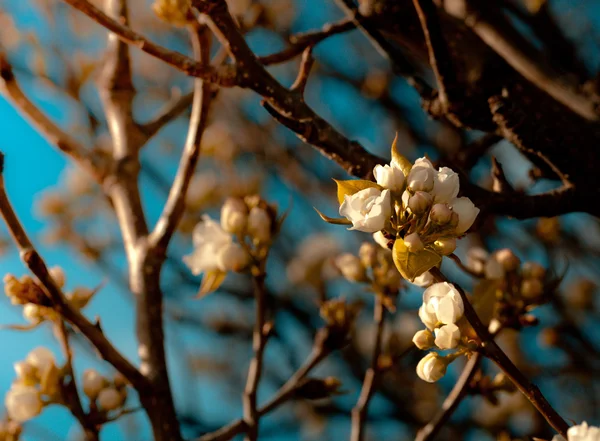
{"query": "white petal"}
pixel 467 212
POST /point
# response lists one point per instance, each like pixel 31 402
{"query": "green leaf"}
pixel 404 164
pixel 353 186
pixel 333 220
pixel 211 282
pixel 412 265
pixel 485 299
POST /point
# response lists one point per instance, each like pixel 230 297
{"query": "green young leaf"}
pixel 353 186
pixel 210 282
pixel 333 220
pixel 404 164
pixel 412 265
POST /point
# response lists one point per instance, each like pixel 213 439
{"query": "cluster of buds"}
pixel 37 307
pixel 374 266
pixel 414 207
pixel 104 394
pixel 518 286
pixel 37 384
pixel 251 221
pixel 340 317
pixel 442 313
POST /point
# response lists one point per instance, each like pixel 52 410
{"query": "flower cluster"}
pixel 251 221
pixel 441 312
pixel 107 395
pixel 413 207
pixel 581 432
pixel 36 385
pixel 36 307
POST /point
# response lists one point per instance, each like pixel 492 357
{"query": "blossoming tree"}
pixel 306 330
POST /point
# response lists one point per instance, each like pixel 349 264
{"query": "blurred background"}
pixel 56 54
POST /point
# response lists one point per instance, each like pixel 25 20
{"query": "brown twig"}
pixel 305 67
pixel 454 398
pixel 36 265
pixel 175 205
pixel 490 349
pixel 359 413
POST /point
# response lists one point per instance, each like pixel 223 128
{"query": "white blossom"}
pixel 467 212
pixel 369 210
pixel 431 368
pixel 110 399
pixel 421 175
pixel 351 267
pixel 445 185
pixel 443 300
pixel 234 216
pixel 424 280
pixel 447 336
pixel 93 383
pixel 381 240
pixel 23 402
pixel 41 358
pixel 581 432
pixel 423 339
pixel 209 239
pixel 259 224
pixel 429 319
pixel 232 257
pixel 389 176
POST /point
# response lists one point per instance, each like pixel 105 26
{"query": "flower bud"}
pixel 58 275
pixel 432 367
pixel 493 269
pixel 351 267
pixel 317 388
pixel 33 313
pixel 259 224
pixel 507 259
pixel 445 246
pixel 413 243
pixel 368 254
pixel 476 259
pixel 26 373
pixel 420 202
pixel 389 177
pixel 423 339
pixel 109 399
pixel 421 176
pixel 531 288
pixel 23 403
pixel 533 270
pixel 232 257
pixel 447 336
pixel 234 216
pixel 41 358
pixel 428 318
pixel 93 383
pixel 424 280
pixel 441 214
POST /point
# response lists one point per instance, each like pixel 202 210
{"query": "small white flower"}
pixel 234 216
pixel 109 399
pixel 381 240
pixel 389 176
pixel 424 280
pixel 421 175
pixel 23 402
pixel 467 212
pixel 369 210
pixel 441 214
pixel 581 432
pixel 423 339
pixel 431 368
pixel 445 246
pixel 232 257
pixel 445 185
pixel 93 383
pixel 420 202
pixel 447 336
pixel 33 313
pixel 443 300
pixel 209 239
pixel 259 224
pixel 351 267
pixel 41 358
pixel 429 319
pixel 413 242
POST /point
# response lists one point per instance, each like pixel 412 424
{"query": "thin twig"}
pixel 359 413
pixel 454 398
pixel 490 349
pixel 305 67
pixel 36 265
